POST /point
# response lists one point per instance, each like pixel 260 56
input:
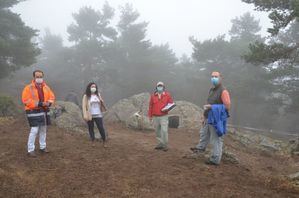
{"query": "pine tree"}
pixel 16 47
pixel 282 14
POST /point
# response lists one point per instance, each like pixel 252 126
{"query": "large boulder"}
pixel 133 112
pixel 188 115
pixel 125 108
pixel 67 115
pixel 259 141
pixel 139 122
pixel 72 97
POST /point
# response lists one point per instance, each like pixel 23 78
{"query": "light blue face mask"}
pixel 160 89
pixel 215 81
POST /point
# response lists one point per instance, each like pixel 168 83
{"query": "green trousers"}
pixel 161 124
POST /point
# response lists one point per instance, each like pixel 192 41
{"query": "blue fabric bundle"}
pixel 217 117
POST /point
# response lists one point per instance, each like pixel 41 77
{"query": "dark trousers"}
pixel 99 123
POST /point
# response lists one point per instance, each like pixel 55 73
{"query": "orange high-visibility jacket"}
pixel 30 96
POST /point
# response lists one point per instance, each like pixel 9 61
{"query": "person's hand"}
pixel 46 104
pixel 151 119
pixel 207 106
pixel 85 119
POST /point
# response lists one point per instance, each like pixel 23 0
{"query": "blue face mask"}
pixel 160 89
pixel 215 81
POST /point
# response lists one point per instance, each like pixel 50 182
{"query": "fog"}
pixel 127 46
pixel 170 21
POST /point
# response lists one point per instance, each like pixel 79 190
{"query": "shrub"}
pixel 7 106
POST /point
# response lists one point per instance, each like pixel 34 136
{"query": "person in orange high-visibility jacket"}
pixel 37 98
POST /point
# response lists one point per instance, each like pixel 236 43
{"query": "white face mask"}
pixel 39 80
pixel 93 89
pixel 160 89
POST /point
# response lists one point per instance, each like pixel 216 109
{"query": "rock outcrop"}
pixel 67 115
pixel 133 112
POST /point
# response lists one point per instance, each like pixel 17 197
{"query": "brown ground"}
pixel 130 167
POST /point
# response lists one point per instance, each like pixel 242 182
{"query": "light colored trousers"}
pixel 161 124
pixel 208 134
pixel 42 130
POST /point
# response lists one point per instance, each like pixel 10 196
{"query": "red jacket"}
pixel 156 104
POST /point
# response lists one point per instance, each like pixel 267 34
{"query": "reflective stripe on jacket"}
pixel 37 116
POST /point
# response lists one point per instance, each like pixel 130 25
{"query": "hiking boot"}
pixel 164 149
pixel 31 154
pixel 159 147
pixel 44 150
pixel 197 150
pixel 105 145
pixel 209 162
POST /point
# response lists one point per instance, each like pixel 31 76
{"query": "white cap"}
pixel 160 83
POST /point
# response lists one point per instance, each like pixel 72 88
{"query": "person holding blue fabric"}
pixel 214 120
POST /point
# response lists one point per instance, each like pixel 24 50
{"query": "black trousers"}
pixel 99 123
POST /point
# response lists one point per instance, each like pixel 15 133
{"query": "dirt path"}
pixel 130 167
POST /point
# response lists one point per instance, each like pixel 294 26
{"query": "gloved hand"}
pixel 40 104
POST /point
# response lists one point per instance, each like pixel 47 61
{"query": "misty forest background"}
pixel 261 73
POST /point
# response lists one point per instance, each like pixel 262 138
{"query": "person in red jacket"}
pixel 159 99
pixel 37 97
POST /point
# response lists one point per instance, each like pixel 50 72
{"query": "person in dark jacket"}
pixel 217 95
